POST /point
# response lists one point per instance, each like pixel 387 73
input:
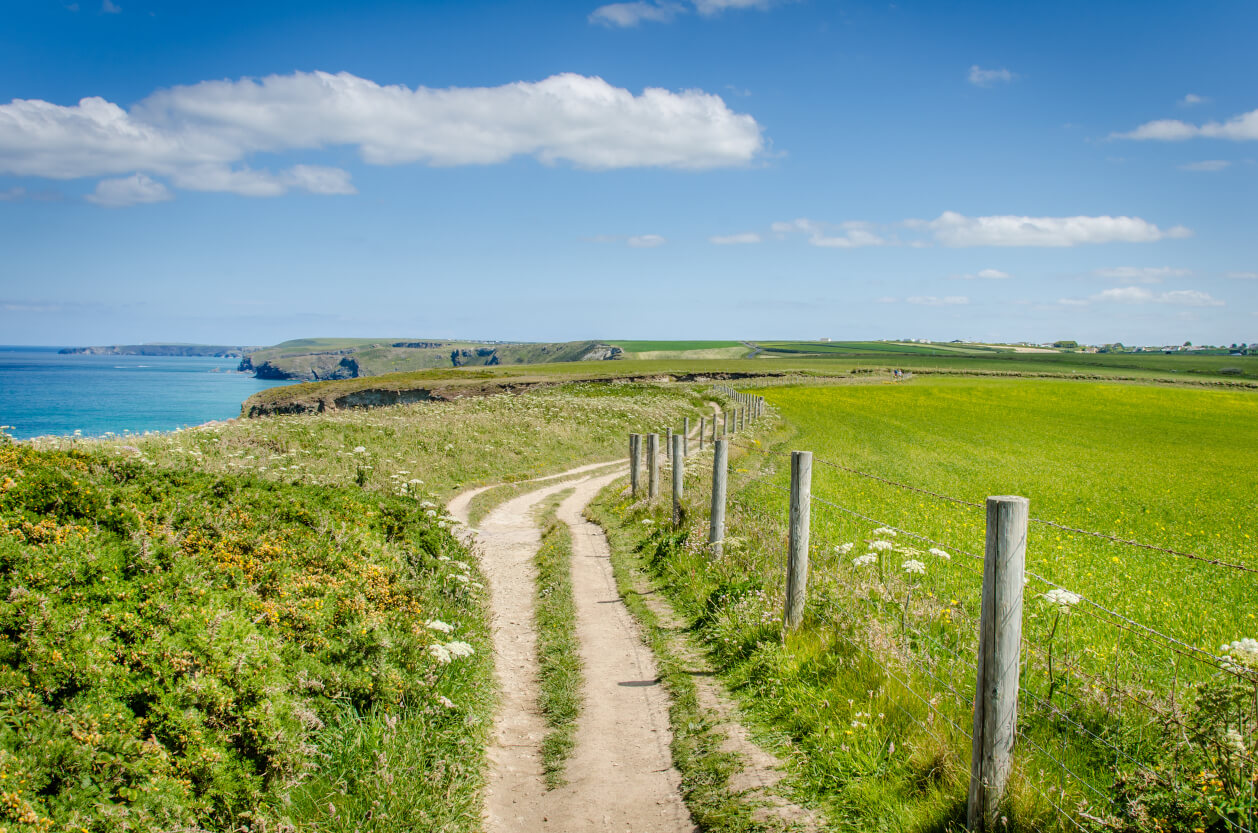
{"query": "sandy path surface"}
pixel 621 776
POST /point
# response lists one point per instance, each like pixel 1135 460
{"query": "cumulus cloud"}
pixel 957 230
pixel 646 241
pixel 128 190
pixel 1140 295
pixel 200 134
pixel 1141 274
pixel 1238 128
pixel 630 14
pixel 991 274
pixel 1192 99
pixel 852 234
pixel 980 77
pixel 1206 165
pixel 735 239
pixel 932 301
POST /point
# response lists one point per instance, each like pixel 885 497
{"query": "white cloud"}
pixel 626 15
pixel 932 301
pixel 1140 295
pixel 992 274
pixel 1141 274
pixel 128 190
pixel 12 194
pixel 1207 165
pixel 646 241
pixel 957 230
pixel 980 77
pixel 1249 276
pixel 196 133
pixel 109 7
pixel 852 234
pixel 250 183
pixel 631 14
pixel 735 239
pixel 1192 99
pixel 1238 128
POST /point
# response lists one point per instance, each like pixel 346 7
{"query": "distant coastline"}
pixel 218 351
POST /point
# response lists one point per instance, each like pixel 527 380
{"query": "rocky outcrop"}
pixel 603 352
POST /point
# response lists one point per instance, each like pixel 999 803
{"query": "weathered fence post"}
pixel 652 465
pixel 714 428
pixel 797 554
pixel 999 641
pixel 725 418
pixel 679 476
pixel 668 444
pixel 720 470
pixel 685 437
pixel 703 422
pixel 635 457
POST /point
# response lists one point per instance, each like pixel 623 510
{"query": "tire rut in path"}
pixel 620 776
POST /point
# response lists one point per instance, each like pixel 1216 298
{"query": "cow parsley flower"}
pixel 938 553
pixel 866 559
pixel 1241 653
pixel 440 653
pixel 913 566
pixel 358 449
pixel 438 625
pixel 843 549
pixel 459 649
pixel 880 546
pixel 1061 599
pixel 885 531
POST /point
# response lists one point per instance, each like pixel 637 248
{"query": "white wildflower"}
pixel 843 549
pixel 460 577
pixel 427 504
pixel 440 653
pixel 880 546
pixel 438 625
pixel 647 521
pixel 1061 599
pixel 886 532
pixel 1242 652
pixel 938 553
pixel 914 566
pixel 445 701
pixel 441 524
pixel 432 513
pixel 358 449
pixel 866 559
pixel 459 649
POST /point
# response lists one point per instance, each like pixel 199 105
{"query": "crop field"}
pixel 893 348
pixel 1132 717
pixel 672 346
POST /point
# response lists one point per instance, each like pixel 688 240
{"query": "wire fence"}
pixel 1123 722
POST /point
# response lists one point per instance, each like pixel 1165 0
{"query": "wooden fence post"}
pixel 714 428
pixel 685 436
pixel 679 476
pixel 999 642
pixel 668 444
pixel 797 554
pixel 635 457
pixel 720 471
pixel 725 418
pixel 653 465
pixel 703 423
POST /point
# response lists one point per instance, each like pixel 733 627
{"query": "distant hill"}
pixel 318 359
pixel 218 350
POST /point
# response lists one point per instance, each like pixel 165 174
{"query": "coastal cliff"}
pixel 210 350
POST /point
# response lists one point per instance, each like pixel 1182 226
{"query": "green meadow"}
pixel 1120 728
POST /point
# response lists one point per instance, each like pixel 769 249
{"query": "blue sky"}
pixel 252 172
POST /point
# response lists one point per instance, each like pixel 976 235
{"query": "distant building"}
pixel 824 340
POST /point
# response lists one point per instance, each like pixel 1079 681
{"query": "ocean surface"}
pixel 44 392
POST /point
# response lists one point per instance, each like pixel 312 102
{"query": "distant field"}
pixel 827 348
pixel 671 346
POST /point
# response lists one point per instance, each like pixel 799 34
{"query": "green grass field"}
pixel 672 346
pixel 875 691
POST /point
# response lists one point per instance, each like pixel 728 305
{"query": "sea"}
pixel 44 392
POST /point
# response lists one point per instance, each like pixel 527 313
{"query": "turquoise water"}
pixel 43 392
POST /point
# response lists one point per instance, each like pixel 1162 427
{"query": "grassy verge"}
pixel 558 650
pixel 429 450
pixel 189 651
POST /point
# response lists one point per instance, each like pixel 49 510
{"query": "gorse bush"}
pixel 178 650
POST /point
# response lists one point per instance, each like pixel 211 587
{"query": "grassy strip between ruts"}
pixel 558 651
pixel 697 747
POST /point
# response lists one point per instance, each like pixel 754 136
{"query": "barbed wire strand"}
pixel 1065 768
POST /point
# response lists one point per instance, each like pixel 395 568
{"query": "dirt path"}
pixel 621 776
